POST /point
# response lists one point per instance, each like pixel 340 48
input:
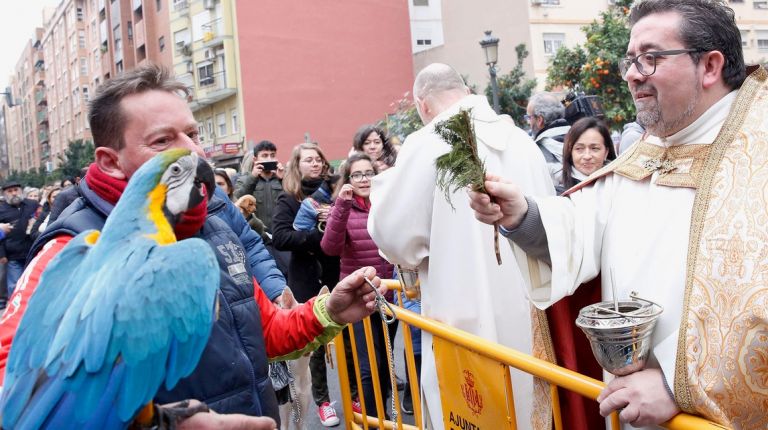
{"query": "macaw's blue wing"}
pixel 106 326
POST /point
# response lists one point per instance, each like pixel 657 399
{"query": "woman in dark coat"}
pixel 309 268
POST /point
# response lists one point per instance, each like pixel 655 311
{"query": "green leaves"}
pixel 514 88
pixel 594 66
pixel 460 167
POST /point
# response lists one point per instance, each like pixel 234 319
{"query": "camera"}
pixel 579 105
pixel 268 165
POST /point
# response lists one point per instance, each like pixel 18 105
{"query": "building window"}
pixel 205 74
pixel 81 38
pixel 221 122
pixel 85 94
pixel 762 40
pixel 129 29
pixel 201 132
pixel 423 42
pixel 235 122
pixel 421 2
pixel 83 66
pixel 760 4
pixel 553 42
pixel 744 38
pixel 209 124
pixel 159 5
pixel 161 43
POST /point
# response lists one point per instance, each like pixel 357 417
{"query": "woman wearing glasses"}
pixel 346 234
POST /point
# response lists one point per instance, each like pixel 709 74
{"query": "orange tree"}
pixel 594 67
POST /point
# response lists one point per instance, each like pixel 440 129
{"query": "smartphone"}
pixel 268 165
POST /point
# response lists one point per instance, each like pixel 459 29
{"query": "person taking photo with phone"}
pixel 262 177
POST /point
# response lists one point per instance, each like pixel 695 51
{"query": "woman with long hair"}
pixel 346 234
pixel 588 147
pixel 374 142
pixel 309 268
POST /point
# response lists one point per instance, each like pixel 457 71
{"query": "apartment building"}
pixel 319 70
pixel 64 93
pixel 205 57
pixel 5 112
pixel 81 44
pixel 448 31
pixel 27 119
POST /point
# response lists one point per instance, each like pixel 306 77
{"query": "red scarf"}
pixel 110 189
pixel 363 202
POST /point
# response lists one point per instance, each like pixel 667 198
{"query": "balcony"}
pixel 39 77
pixel 213 32
pixel 42 116
pixel 212 89
pixel 45 151
pixel 139 34
pixel 180 5
pixel 40 97
pixel 42 136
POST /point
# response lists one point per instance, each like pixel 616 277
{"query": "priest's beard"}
pixel 662 124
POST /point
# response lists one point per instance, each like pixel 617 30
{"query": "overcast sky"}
pixel 19 21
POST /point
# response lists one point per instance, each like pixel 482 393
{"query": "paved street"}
pixel 333 386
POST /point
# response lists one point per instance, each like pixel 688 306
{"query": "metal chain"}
pixel 381 303
pixel 296 403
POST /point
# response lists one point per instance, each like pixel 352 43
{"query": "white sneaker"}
pixel 327 415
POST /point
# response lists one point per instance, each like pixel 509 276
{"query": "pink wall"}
pixel 323 67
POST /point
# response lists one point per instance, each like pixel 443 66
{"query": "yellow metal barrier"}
pixel 555 375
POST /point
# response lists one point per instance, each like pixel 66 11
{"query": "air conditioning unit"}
pixel 209 54
pixel 209 4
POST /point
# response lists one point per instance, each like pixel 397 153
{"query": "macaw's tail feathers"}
pixel 14 400
pixel 179 363
pixel 35 413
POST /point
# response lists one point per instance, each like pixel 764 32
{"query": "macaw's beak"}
pixel 203 177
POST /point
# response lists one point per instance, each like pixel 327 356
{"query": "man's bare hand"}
pixel 642 398
pixel 257 169
pixel 353 299
pixel 510 206
pixel 213 421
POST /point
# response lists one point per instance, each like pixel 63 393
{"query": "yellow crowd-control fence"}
pixel 503 356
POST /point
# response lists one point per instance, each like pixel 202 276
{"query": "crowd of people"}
pixel 571 199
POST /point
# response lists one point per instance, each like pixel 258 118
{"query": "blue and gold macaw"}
pixel 119 312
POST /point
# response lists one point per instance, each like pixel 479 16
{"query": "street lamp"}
pixel 490 47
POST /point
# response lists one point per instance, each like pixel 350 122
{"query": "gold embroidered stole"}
pixel 541 418
pixel 678 166
pixel 722 357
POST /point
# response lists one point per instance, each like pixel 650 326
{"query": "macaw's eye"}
pixel 175 169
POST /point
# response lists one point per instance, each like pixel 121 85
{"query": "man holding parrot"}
pixel 133 117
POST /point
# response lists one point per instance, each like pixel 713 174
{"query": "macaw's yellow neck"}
pixel 164 235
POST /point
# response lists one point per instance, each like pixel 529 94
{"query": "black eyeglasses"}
pixel 646 62
pixel 359 176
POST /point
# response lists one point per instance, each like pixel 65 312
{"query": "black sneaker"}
pixel 407 403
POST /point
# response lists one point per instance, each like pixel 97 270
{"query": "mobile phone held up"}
pixel 269 165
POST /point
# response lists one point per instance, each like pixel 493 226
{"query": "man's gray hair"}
pixel 548 106
pixel 437 78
